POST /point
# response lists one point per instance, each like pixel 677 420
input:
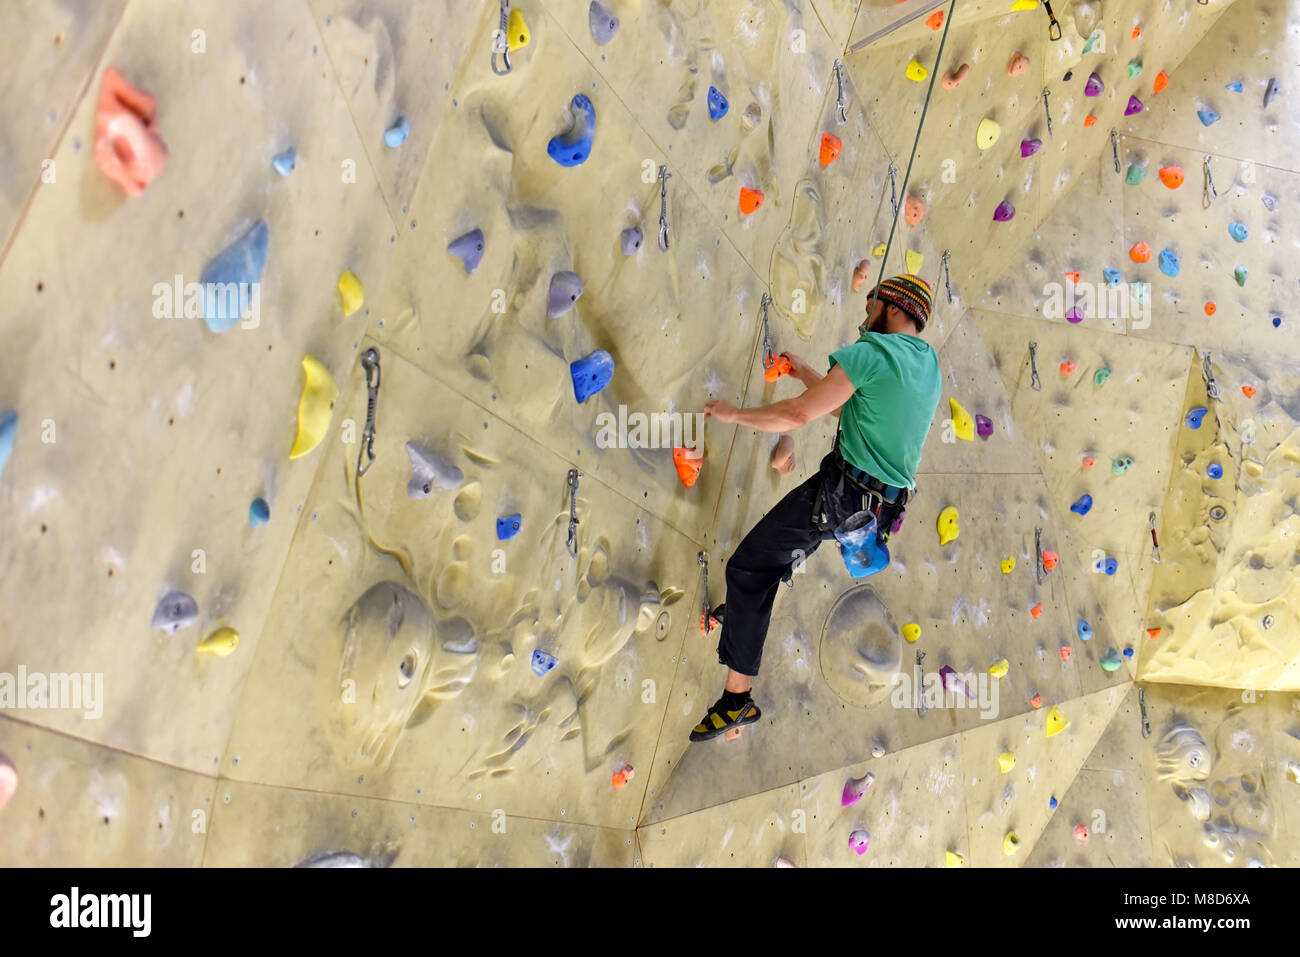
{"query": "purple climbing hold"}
pixel 1134 106
pixel 983 426
pixel 1030 147
pixel 1075 315
pixel 630 240
pixel 1005 212
pixel 1270 91
pixel 1094 86
pixel 566 287
pixel 468 249
pixel 602 23
pixel 591 373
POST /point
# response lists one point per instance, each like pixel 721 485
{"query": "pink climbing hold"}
pixel 859 841
pixel 854 788
pixel 1075 315
pixel 128 149
pixel 1005 212
pixel 8 779
pixel 1030 147
pixel 1134 106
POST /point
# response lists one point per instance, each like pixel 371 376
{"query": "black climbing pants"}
pixel 787 534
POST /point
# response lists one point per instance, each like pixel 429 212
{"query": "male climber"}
pixel 885 388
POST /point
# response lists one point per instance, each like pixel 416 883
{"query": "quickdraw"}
pixel 1114 147
pixel 1048 110
pixel 1209 194
pixel 947 280
pixel 369 362
pixel 841 109
pixel 1155 545
pixel 572 542
pixel 1207 373
pixel 501 43
pixel 1053 27
pixel 1035 383
pixel 663 207
pixel 769 354
pixel 707 621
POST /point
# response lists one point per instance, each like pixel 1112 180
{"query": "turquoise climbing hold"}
pixel 1111 660
pixel 8 428
pixel 1112 276
pixel 508 527
pixel 1237 231
pixel 1083 506
pixel 1234 86
pixel 396 134
pixel 572 147
pixel 1135 174
pixel 259 513
pixel 229 279
pixel 591 373
pixel 1134 68
pixel 284 162
pixel 1240 274
pixel 1121 465
pixel 1100 376
pixel 1083 629
pixel 1207 117
pixel 1194 417
pixel 1168 262
pixel 718 104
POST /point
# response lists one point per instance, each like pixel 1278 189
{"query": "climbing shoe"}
pixel 725 715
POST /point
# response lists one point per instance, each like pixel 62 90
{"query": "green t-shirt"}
pixel 884 423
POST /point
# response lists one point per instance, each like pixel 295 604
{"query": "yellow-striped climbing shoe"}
pixel 720 721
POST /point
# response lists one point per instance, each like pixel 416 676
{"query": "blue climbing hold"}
pixel 259 513
pixel 229 279
pixel 1083 506
pixel 468 249
pixel 1194 417
pixel 1084 629
pixel 1168 262
pixel 1277 322
pixel 1234 86
pixel 718 104
pixel 1111 566
pixel 508 527
pixel 591 373
pixel 1215 471
pixel 8 426
pixel 1128 652
pixel 1112 276
pixel 1237 231
pixel 542 662
pixel 572 147
pixel 396 134
pixel 1052 802
pixel 1207 117
pixel 284 162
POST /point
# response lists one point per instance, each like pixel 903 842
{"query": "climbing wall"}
pixel 373 569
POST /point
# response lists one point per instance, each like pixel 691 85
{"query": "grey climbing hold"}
pixel 468 249
pixel 603 24
pixel 1270 91
pixel 630 240
pixel 430 471
pixel 177 610
pixel 566 287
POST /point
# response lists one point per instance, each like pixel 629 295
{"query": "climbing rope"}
pixel 925 108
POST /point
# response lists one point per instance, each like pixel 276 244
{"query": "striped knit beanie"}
pixel 909 293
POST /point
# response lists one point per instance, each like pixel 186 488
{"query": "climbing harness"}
pixel 1155 545
pixel 769 355
pixel 1207 373
pixel 1146 723
pixel 1048 110
pixel 663 207
pixel 1035 383
pixel 703 561
pixel 369 362
pixel 1039 570
pixel 572 543
pixel 1053 27
pixel 1114 147
pixel 501 44
pixel 921 707
pixel 1210 194
pixel 841 110
pixel 947 280
pixel 893 189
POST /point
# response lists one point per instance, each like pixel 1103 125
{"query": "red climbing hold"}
pixel 128 150
pixel 1067 366
pixel 935 20
pixel 1066 651
pixel 750 200
pixel 1073 276
pixel 1036 701
pixel 1089 121
pixel 1248 391
pixel 831 147
pixel 1089 461
pixel 1050 559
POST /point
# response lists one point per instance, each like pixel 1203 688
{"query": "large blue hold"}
pixel 1083 506
pixel 573 147
pixel 1234 86
pixel 718 104
pixel 508 527
pixel 1237 231
pixel 236 270
pixel 1169 262
pixel 8 427
pixel 591 374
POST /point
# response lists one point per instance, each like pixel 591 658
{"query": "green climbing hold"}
pixel 1100 376
pixel 1111 660
pixel 1134 68
pixel 1121 465
pixel 1087 47
pixel 1135 174
pixel 1240 274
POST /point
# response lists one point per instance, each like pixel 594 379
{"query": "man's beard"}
pixel 875 325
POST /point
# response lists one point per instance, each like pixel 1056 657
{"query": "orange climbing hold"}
pixel 913 210
pixel 623 775
pixel 1140 253
pixel 1067 366
pixel 1036 701
pixel 1073 275
pixel 954 79
pixel 1089 121
pixel 780 366
pixel 1248 391
pixel 1172 176
pixel 1089 461
pixel 1210 308
pixel 128 149
pixel 1066 651
pixel 1050 559
pixel 935 20
pixel 708 623
pixel 1036 610
pixel 1018 64
pixel 750 199
pixel 1137 32
pixel 830 152
pixel 688 462
pixel 1160 82
pixel 860 273
pixel 1153 633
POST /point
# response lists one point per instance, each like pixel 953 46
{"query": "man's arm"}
pixel 823 396
pixel 806 374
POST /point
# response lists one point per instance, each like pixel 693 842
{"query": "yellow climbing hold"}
pixel 913 260
pixel 916 72
pixel 987 134
pixel 1006 761
pixel 350 292
pixel 315 406
pixel 1025 5
pixel 878 250
pixel 962 423
pixel 1000 668
pixel 517 34
pixel 948 528
pixel 912 632
pixel 1008 565
pixel 1010 844
pixel 221 642
pixel 1056 721
pixel 953 859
